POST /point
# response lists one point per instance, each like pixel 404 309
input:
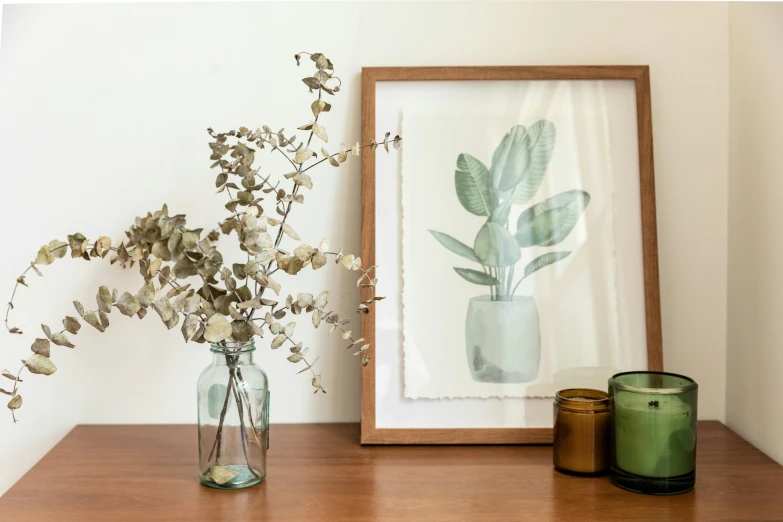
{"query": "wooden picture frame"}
pixel 370 434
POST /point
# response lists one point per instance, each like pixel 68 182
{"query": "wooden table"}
pixel 319 472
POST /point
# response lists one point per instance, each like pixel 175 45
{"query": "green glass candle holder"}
pixel 653 432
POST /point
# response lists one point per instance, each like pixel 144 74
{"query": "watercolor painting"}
pixel 502 330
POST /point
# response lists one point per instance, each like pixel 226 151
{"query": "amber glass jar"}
pixel 581 433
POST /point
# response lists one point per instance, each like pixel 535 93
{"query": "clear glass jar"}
pixel 233 418
pixel 653 432
pixel 581 432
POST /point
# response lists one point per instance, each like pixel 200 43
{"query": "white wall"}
pixel 755 293
pixel 102 116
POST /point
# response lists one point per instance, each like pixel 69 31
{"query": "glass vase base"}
pixel 244 479
pixel 653 485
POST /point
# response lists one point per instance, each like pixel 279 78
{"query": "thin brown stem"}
pixel 331 156
pixel 242 432
pixel 217 445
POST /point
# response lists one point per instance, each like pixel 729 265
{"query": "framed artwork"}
pixel 515 236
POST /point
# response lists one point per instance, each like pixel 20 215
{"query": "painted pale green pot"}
pixel 503 339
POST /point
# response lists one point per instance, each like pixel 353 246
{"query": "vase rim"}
pixel 614 383
pixel 228 347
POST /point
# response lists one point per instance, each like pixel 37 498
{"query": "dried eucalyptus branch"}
pixel 226 304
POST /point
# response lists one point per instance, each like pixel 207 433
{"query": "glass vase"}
pixel 653 432
pixel 233 418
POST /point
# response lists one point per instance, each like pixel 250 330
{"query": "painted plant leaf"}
pixel 471 180
pixel 495 246
pixel 456 246
pixel 543 136
pixel 476 277
pixel 549 222
pixel 510 159
pixel 544 260
pixel 500 213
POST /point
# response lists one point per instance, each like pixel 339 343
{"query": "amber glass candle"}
pixel 581 434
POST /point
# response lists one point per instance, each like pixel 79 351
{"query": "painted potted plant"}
pixel 187 282
pixel 502 331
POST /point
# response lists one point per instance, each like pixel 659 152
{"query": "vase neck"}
pixel 232 354
pixel 228 359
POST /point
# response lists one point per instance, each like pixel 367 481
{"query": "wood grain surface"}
pixel 640 74
pixel 320 472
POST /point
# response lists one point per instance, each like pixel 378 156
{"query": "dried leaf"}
pixel 103 246
pixel 20 280
pixel 58 248
pixel 47 331
pixel 347 261
pixel 347 334
pixel 40 364
pixel 79 308
pixel 316 382
pixel 164 309
pixel 184 268
pixel 189 326
pixel 217 328
pixel 61 340
pixel 365 359
pixel 15 403
pixel 312 83
pixel 41 346
pixel 301 156
pixel 45 256
pixel 35 269
pixel 295 357
pixel 278 341
pixel 192 304
pixel 92 319
pixel 154 267
pixel 5 392
pixel 128 304
pixel 304 300
pixel 290 232
pixel 320 132
pixel 303 180
pixel 9 375
pixel 289 329
pixel 253 303
pixel 104 299
pixel 257 330
pixel 316 318
pixel 147 293
pixel 71 324
pixel 189 240
pixel 318 106
pixel 318 260
pixel 220 475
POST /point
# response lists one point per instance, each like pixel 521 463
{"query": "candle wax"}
pixel 654 435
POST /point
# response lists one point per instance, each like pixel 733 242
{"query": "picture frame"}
pixel 373 432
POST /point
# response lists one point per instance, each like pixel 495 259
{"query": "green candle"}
pixel 654 436
pixel 653 431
